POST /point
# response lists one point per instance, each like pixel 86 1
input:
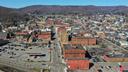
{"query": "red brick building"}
pixel 75 57
pixel 91 41
pixel 73 51
pixel 83 41
pixel 79 64
pixel 21 33
pixel 62 35
pixel 45 35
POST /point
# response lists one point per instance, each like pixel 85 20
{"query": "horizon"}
pixel 25 3
pixel 63 5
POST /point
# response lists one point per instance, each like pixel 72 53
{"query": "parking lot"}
pixel 30 57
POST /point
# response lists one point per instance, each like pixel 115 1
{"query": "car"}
pixel 22 49
pixel 109 66
pixel 102 67
pixel 43 64
pixel 30 48
pixel 11 57
pixel 16 49
pixel 11 48
pixel 6 47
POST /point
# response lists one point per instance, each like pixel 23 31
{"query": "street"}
pixel 57 65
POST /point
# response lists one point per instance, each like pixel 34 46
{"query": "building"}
pixel 49 22
pixel 94 52
pixel 21 33
pixel 101 34
pixel 78 64
pixel 58 21
pixel 116 58
pixel 45 35
pixel 3 35
pixel 70 51
pixel 21 36
pixel 83 41
pixel 74 56
pixel 123 43
pixel 63 36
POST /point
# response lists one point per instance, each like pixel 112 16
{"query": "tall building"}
pixel 63 36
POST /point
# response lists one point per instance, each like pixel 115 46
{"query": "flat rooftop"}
pixel 77 58
pixel 98 51
pixel 118 55
pixel 69 46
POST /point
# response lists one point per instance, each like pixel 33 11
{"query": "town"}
pixel 66 43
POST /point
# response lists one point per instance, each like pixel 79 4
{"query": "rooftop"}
pixel 77 58
pixel 69 46
pixel 118 55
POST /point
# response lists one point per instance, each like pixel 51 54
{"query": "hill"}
pixel 39 9
pixel 9 16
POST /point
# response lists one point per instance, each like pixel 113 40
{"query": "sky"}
pixel 23 3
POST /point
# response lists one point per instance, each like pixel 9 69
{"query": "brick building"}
pixel 74 56
pixel 115 58
pixel 83 41
pixel 45 35
pixel 78 64
pixel 73 51
pixel 63 36
pixel 21 33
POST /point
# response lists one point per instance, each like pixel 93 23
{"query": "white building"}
pixel 123 43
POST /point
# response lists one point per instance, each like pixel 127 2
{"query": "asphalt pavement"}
pixel 57 61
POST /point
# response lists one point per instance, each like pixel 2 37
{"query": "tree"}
pixel 103 45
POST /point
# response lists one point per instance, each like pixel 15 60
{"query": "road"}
pixel 114 65
pixel 57 65
pixel 111 43
pixel 105 40
pixel 108 66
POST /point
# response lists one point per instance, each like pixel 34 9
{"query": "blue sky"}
pixel 23 3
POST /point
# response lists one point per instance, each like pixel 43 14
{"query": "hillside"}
pixel 42 9
pixel 62 9
pixel 9 16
